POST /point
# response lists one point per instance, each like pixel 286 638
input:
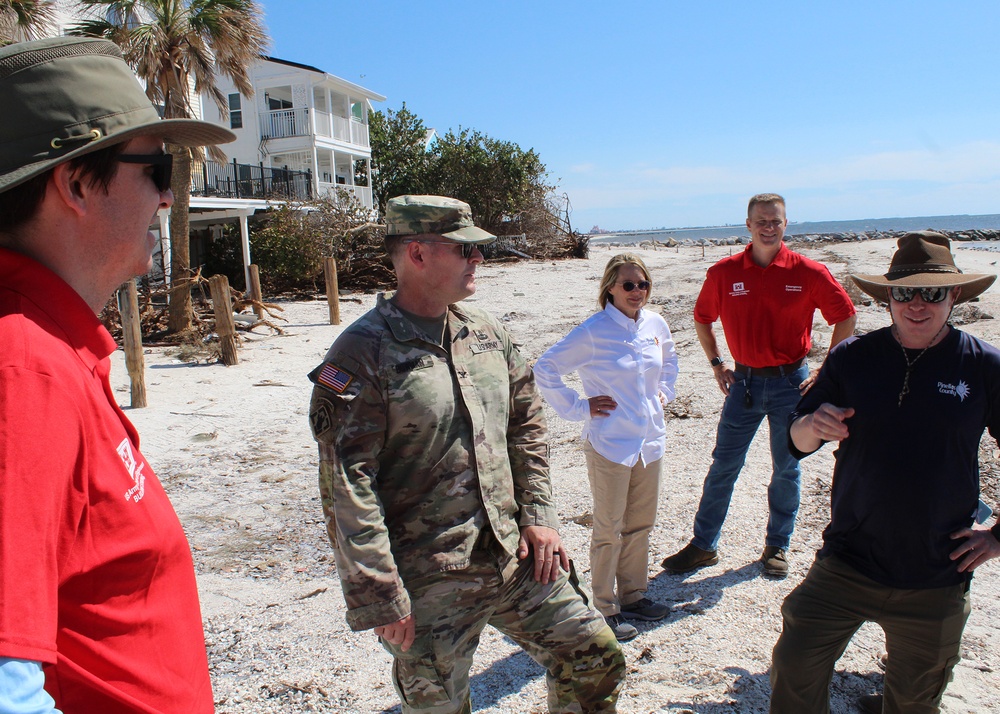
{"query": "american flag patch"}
pixel 334 377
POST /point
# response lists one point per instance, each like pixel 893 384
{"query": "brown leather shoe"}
pixel 775 561
pixel 689 558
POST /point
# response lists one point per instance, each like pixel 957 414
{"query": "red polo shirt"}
pixel 767 313
pixel 96 577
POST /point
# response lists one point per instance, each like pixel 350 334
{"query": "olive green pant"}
pixel 923 632
pixel 554 623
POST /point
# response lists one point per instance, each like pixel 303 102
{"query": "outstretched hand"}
pixel 546 546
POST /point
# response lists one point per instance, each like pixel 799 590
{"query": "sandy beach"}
pixel 233 449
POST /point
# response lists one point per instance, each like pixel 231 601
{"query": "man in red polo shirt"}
pixel 99 608
pixel 765 297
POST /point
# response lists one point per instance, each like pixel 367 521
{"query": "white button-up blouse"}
pixel 632 361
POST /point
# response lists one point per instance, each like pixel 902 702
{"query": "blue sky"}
pixel 673 114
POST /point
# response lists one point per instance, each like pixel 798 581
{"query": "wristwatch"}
pixel 715 361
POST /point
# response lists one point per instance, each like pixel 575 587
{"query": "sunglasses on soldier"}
pixel 467 248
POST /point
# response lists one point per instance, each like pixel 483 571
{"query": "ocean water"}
pixel 868 225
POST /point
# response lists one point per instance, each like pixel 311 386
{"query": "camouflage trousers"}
pixel 555 623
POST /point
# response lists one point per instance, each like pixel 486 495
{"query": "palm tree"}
pixel 175 46
pixel 25 20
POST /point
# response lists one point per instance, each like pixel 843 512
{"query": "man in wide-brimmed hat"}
pixel 98 603
pixel 908 405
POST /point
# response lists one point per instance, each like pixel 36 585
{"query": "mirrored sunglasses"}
pixel 929 295
pixel 467 248
pixel 628 286
pixel 163 166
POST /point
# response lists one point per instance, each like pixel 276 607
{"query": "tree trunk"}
pixel 179 313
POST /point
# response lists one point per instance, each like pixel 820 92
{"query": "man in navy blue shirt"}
pixel 908 405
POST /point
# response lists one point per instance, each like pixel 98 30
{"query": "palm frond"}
pixel 22 20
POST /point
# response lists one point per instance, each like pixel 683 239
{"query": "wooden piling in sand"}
pixel 332 291
pixel 225 326
pixel 255 294
pixel 128 308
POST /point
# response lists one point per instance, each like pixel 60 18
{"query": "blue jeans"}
pixel 771 397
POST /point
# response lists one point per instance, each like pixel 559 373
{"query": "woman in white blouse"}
pixel 626 360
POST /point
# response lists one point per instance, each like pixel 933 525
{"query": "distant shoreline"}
pixel 959 227
pixel 961 221
pixel 983 239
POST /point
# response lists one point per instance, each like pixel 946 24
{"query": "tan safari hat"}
pixel 64 97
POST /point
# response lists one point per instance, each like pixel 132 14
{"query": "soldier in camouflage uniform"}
pixel 435 487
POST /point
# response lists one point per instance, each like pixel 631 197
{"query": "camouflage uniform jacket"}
pixel 421 449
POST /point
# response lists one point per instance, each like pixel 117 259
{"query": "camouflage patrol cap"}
pixel 440 215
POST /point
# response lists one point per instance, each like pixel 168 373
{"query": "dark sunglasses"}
pixel 629 286
pixel 930 295
pixel 467 248
pixel 163 167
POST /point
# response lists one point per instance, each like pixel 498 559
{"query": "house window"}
pixel 235 112
pixel 277 103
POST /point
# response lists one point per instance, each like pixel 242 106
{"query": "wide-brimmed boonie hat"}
pixel 924 260
pixel 447 217
pixel 64 97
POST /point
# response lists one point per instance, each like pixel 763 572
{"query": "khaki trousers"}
pixel 625 502
pixel 923 634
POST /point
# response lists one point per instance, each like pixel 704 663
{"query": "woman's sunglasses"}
pixel 163 166
pixel 930 295
pixel 629 286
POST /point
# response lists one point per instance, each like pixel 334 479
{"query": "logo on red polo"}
pixel 134 469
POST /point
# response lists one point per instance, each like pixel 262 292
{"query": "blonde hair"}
pixel 611 276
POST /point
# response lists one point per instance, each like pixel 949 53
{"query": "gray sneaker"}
pixel 775 561
pixel 623 630
pixel 689 558
pixel 645 609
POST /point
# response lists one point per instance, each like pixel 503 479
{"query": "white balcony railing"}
pixel 350 130
pixel 324 123
pixel 359 133
pixel 363 193
pixel 280 123
pixel 341 128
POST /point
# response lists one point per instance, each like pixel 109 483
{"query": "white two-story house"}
pixel 301 119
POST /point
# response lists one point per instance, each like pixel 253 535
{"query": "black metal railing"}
pixel 248 181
